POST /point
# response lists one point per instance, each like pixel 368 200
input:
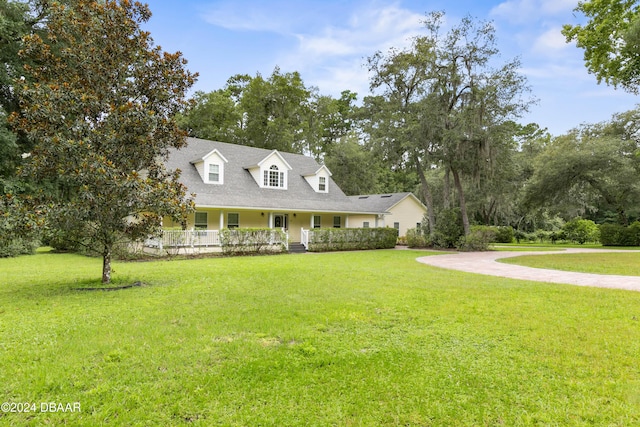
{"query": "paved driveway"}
pixel 486 263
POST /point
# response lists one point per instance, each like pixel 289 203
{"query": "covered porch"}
pixel 204 224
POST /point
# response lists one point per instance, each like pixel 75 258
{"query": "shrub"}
pixel 416 238
pixel 478 238
pixel 448 229
pixel 245 241
pixel 503 234
pixel 618 235
pixel 342 239
pixel 543 235
pixel 17 246
pixel 19 225
pixel 582 231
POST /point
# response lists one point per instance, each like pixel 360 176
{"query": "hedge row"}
pixel 478 239
pixel 246 241
pixel 618 235
pixel 343 239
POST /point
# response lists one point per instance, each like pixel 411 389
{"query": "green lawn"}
pixel 626 264
pixel 359 338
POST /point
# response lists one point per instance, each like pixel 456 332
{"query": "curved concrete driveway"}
pixel 486 263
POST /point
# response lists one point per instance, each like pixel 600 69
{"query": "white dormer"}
pixel 211 167
pixel 271 172
pixel 319 180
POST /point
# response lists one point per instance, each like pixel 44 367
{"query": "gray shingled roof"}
pixel 378 202
pixel 240 189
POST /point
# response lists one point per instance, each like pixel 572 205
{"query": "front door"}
pixel 281 221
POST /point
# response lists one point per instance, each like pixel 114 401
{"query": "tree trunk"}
pixel 446 192
pixel 106 265
pixel 426 193
pixel 463 205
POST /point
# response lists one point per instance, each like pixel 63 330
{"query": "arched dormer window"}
pixel 274 177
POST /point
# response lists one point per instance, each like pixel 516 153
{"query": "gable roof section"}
pixel 206 156
pixel 240 190
pixel 316 171
pixel 382 202
pixel 267 157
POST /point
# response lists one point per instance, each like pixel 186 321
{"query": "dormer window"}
pixel 274 177
pixel 214 173
pixel 318 179
pixel 322 184
pixel 210 167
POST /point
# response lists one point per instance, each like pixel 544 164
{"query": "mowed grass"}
pixel 625 263
pixel 357 338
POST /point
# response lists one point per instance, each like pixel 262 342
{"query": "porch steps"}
pixel 296 248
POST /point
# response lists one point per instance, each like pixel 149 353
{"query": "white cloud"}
pixel 369 29
pixel 253 15
pixel 523 11
pixel 345 76
pixel 551 42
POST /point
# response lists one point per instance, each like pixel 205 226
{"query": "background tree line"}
pixel 441 119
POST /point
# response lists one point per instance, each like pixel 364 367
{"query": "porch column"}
pixel 221 221
pixel 270 219
pixel 346 221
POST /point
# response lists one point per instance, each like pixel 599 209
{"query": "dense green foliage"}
pixel 610 39
pixel 417 238
pixel 358 338
pixel 248 241
pixel 581 231
pixel 341 239
pixel 98 106
pixel 20 228
pixel 448 229
pixel 620 235
pixel 444 102
pixel 478 239
pixel 278 112
pixel 503 234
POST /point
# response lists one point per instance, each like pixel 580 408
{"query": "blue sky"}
pixel 327 41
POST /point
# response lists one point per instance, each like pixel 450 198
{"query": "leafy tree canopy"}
pixel 611 41
pixel 98 103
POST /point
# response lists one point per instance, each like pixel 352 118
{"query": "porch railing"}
pixel 185 238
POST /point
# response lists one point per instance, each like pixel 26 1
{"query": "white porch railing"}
pixel 304 238
pixel 185 238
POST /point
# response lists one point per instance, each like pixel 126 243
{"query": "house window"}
pixel 322 184
pixel 233 220
pixel 316 221
pixel 337 221
pixel 365 224
pixel 214 173
pixel 201 221
pixel 274 177
pixel 396 225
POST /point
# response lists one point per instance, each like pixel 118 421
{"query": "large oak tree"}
pixel 98 104
pixel 446 102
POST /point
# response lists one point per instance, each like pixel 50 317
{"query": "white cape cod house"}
pixel 246 187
